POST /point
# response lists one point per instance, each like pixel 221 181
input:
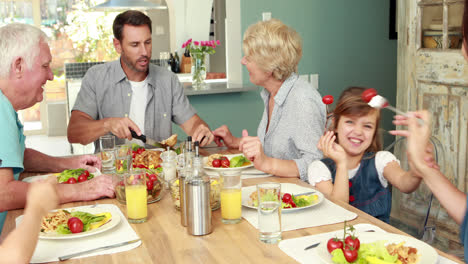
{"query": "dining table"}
pixel 165 240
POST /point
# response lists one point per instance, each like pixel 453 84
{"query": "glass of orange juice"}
pixel 231 196
pixel 135 196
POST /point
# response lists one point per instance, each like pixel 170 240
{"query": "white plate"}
pixel 285 188
pixel 205 159
pixel 42 177
pixel 427 254
pixel 114 221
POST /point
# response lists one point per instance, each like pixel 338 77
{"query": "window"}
pixel 440 24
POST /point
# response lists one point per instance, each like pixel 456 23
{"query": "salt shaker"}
pixel 169 164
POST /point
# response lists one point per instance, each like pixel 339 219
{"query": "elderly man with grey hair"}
pixel 24 68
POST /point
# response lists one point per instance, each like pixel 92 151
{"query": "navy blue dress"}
pixel 366 192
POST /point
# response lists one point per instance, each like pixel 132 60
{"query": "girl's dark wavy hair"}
pixel 350 103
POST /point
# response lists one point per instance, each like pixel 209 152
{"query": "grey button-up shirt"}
pixel 296 124
pixel 106 92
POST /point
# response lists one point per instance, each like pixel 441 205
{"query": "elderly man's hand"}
pixel 203 132
pixel 97 187
pixel 87 162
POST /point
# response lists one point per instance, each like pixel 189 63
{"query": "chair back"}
pixel 420 202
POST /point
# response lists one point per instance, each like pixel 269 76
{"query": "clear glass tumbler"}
pixel 269 212
pixel 123 164
pixel 107 145
pixel 136 196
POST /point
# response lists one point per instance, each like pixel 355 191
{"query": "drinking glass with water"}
pixel 107 144
pixel 269 212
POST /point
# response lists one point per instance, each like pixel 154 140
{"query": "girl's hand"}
pixel 331 149
pixel 253 150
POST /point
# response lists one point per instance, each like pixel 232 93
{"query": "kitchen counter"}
pixel 212 87
pixel 217 88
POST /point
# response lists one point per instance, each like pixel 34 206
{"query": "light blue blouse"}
pixel 296 124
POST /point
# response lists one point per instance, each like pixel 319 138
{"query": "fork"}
pixel 316 244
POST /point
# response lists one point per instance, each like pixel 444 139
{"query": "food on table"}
pixel 215 190
pixel 147 159
pixel 154 186
pixel 74 175
pixel 407 255
pixel 221 161
pixel 350 250
pixel 65 222
pixel 171 141
pixel 288 200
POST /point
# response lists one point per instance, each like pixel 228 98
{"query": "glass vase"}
pixel 198 70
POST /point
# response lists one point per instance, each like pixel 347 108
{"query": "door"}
pixel 433 75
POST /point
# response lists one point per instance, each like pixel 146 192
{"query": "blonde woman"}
pixel 293 117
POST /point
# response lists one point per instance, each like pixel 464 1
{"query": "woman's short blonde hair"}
pixel 274 47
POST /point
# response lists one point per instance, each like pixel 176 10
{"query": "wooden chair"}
pixel 427 231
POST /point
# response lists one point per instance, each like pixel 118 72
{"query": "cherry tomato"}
pixel 223 158
pixel 82 178
pixel 216 163
pixel 76 226
pixel 334 243
pixel 153 177
pixel 140 150
pixel 149 185
pixel 71 180
pixel 350 253
pixel 86 173
pixel 72 219
pixel 327 99
pixel 353 242
pixel 368 94
pixel 287 198
pixel 225 163
pixel 141 166
pixel 292 203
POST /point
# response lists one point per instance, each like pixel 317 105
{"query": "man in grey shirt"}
pixel 131 93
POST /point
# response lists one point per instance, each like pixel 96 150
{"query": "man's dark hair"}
pixel 130 17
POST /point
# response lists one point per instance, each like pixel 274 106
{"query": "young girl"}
pixel 356 171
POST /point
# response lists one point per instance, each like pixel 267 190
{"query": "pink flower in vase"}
pixel 218 42
pixel 196 43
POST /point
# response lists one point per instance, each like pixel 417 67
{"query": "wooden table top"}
pixel 165 240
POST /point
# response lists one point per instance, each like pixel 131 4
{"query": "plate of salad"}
pixel 79 222
pixel 67 176
pixel 377 248
pixel 222 162
pixel 294 197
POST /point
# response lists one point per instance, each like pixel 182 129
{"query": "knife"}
pixel 148 141
pixel 62 258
